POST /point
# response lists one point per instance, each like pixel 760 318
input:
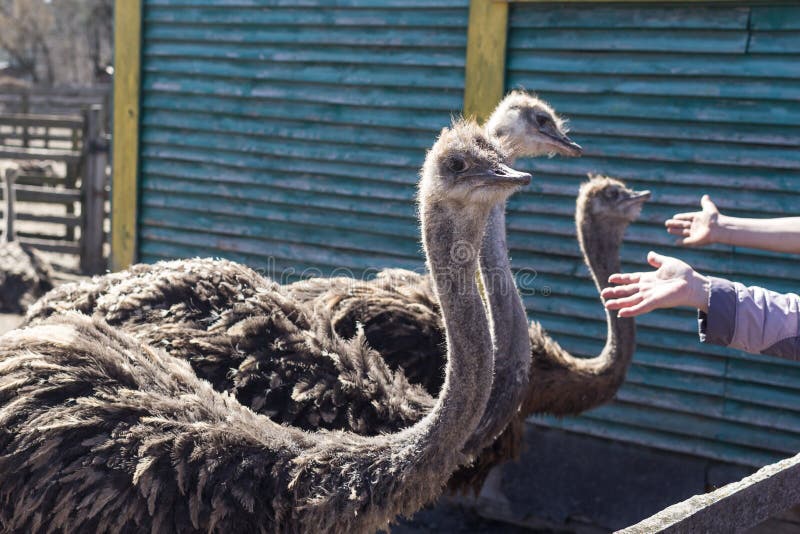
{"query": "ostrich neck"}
pixel 450 236
pixel 600 243
pixel 510 331
pixel 8 193
pixel 562 384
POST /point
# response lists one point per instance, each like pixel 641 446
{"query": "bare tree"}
pixel 58 41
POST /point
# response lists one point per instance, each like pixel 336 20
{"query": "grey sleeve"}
pixel 752 319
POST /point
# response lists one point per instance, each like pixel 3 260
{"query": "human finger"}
pixel 619 291
pixel 679 231
pixel 625 278
pixel 677 223
pixel 645 306
pixel 627 302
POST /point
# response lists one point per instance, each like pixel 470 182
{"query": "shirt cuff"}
pixel 718 325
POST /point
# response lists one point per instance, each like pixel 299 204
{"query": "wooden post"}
pixel 93 194
pixel 125 157
pixel 486 57
pixel 24 111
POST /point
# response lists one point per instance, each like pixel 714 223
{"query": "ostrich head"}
pixel 608 199
pixel 465 168
pixel 530 127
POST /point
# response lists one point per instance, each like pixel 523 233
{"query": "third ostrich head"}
pixel 528 126
pixel 607 200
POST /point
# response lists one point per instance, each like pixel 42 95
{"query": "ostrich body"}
pixel 244 350
pixel 100 432
pixel 24 274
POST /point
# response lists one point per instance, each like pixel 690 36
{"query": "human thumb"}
pixel 655 260
pixel 708 206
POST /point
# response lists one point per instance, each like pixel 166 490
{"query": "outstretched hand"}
pixel 696 228
pixel 673 283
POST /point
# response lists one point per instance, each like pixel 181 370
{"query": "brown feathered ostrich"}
pixel 242 338
pixel 24 274
pixel 560 383
pixel 99 432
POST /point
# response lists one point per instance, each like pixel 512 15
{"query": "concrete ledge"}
pixel 732 508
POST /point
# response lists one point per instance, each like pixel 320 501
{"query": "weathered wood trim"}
pixel 719 2
pixel 486 57
pixel 127 78
pixel 732 508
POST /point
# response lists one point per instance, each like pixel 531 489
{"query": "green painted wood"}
pixel 289 133
pixel 683 101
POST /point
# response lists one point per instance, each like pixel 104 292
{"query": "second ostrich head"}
pixel 528 126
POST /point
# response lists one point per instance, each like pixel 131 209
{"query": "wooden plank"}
pixel 732 508
pixel 69 156
pixel 66 220
pixel 51 245
pixel 93 192
pixel 486 57
pixel 127 82
pixel 52 121
pixel 32 193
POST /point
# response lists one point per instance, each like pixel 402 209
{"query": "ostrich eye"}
pixel 612 194
pixel 456 164
pixel 543 121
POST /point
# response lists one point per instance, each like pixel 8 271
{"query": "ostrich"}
pixel 558 382
pixel 24 274
pixel 295 382
pixel 101 432
pixel 221 318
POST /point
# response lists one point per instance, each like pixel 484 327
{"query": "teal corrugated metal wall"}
pixel 683 101
pixel 293 130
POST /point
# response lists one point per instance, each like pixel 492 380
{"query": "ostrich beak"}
pixel 638 196
pixel 567 147
pixel 506 176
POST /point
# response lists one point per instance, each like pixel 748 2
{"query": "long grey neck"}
pixel 452 238
pixel 510 331
pixel 602 254
pixel 8 192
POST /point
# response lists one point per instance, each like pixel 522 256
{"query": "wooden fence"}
pixel 54 100
pixel 79 143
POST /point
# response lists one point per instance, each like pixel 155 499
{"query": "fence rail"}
pixel 82 149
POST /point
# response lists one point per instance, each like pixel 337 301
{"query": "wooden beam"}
pixel 124 175
pixel 718 2
pixel 732 508
pixel 486 57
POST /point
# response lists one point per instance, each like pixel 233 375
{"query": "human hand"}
pixel 696 228
pixel 673 283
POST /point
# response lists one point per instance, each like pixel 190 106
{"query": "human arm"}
pixel 710 226
pixel 752 319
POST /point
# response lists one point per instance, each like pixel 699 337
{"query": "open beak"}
pixel 638 196
pixel 504 175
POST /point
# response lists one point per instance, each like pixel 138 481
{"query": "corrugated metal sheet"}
pixel 293 130
pixel 683 101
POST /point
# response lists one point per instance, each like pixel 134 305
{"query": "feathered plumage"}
pixel 102 432
pixel 25 275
